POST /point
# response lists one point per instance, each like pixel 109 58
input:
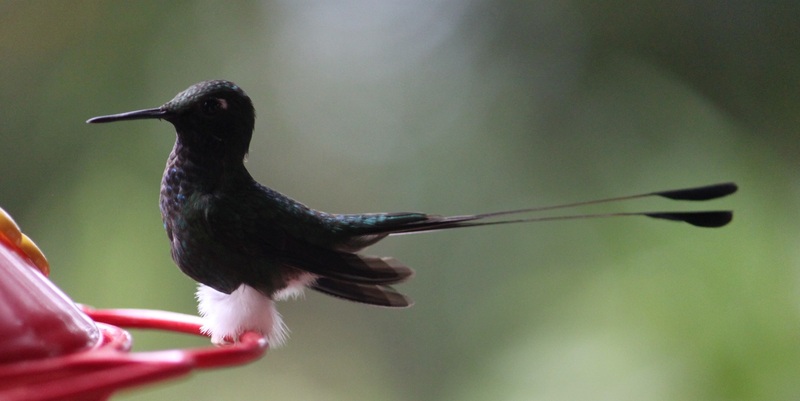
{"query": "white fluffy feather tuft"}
pixel 227 316
pixel 294 289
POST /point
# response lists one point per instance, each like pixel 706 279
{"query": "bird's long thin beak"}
pixel 157 112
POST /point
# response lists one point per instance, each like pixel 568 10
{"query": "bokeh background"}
pixel 447 107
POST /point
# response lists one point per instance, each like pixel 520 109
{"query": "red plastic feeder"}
pixel 53 349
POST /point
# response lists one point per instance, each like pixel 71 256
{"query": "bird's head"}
pixel 212 116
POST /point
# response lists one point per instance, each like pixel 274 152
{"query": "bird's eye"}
pixel 213 106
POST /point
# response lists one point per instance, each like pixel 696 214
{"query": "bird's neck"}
pixel 203 170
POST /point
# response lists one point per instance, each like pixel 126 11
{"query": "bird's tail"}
pixel 705 218
pixel 372 294
pixel 368 279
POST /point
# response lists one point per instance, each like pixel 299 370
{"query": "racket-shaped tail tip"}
pixel 699 219
pixel 707 192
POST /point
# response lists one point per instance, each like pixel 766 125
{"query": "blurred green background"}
pixel 446 107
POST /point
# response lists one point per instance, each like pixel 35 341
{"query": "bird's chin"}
pixel 228 316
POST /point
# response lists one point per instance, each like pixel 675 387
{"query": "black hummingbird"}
pixel 248 245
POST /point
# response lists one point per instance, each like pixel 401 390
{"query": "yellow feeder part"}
pixel 35 254
pixel 9 228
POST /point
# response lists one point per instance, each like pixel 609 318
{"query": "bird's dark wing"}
pixel 277 232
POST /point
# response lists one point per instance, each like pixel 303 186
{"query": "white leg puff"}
pixel 227 316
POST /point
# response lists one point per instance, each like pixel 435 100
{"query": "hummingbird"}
pixel 248 245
